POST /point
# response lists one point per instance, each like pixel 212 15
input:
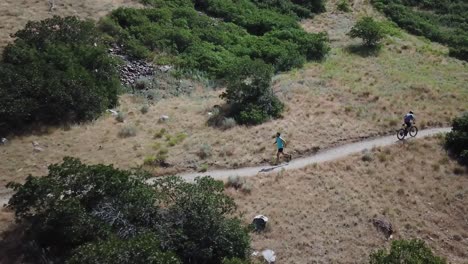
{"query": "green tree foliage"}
pixel 144 248
pixel 408 252
pixel 457 140
pixel 442 21
pixel 249 92
pixel 99 214
pixel 369 30
pixel 56 70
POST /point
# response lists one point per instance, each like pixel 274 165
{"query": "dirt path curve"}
pixel 323 156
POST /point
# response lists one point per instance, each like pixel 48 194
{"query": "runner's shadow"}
pixel 272 168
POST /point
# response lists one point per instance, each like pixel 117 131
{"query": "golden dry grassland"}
pixel 322 213
pixel 345 98
pixel 14 14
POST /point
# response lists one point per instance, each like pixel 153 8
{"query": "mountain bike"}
pixel 404 131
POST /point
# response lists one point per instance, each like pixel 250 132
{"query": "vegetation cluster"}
pixel 57 70
pixel 98 214
pixel 457 140
pixel 442 21
pixel 210 36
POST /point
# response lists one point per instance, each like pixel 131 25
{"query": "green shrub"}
pixel 239 183
pixel 120 117
pixel 98 214
pixel 368 30
pixel 160 133
pixel 249 92
pixel 409 252
pixel 442 21
pixel 205 151
pixel 193 42
pixel 56 70
pixel 143 248
pixel 457 140
pixel 127 131
pixel 235 261
pixel 343 5
pixel 203 168
pixel 144 109
pixel 228 123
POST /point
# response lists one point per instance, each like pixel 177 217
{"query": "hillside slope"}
pixel 15 14
pixel 321 214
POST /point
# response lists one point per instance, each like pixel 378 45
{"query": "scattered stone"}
pixel 383 226
pixel 113 112
pixel 269 256
pixel 38 149
pixel 35 144
pixel 164 118
pixel 132 69
pixel 259 223
pixel 165 68
pixel 3 141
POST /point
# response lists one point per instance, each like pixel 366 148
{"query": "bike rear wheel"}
pixel 401 134
pixel 413 131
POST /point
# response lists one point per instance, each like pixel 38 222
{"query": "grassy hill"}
pixel 322 213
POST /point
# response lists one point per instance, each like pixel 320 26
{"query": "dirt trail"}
pixel 323 156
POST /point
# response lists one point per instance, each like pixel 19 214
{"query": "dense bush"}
pixel 343 5
pixel 212 41
pixel 408 252
pixel 457 140
pixel 442 21
pixel 214 36
pixel 99 214
pixel 143 248
pixel 56 70
pixel 369 30
pixel 249 92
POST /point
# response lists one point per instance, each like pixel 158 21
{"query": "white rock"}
pixel 164 118
pixel 35 144
pixel 3 141
pixel 269 256
pixel 264 218
pixel 38 149
pixel 113 112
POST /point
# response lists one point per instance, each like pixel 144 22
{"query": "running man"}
pixel 280 144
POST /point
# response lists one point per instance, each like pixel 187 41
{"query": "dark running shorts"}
pixel 280 150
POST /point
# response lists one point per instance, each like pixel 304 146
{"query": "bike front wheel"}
pixel 413 131
pixel 401 134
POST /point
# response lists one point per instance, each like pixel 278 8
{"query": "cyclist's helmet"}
pixel 411 112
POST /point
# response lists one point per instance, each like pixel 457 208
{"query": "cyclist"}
pixel 409 120
pixel 280 144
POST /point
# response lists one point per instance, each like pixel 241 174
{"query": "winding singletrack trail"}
pixel 323 156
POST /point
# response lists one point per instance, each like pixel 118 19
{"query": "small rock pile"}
pixel 132 69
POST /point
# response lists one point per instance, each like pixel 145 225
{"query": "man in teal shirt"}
pixel 280 144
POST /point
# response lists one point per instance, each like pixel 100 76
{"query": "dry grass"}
pixel 15 13
pixel 345 98
pixel 321 214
